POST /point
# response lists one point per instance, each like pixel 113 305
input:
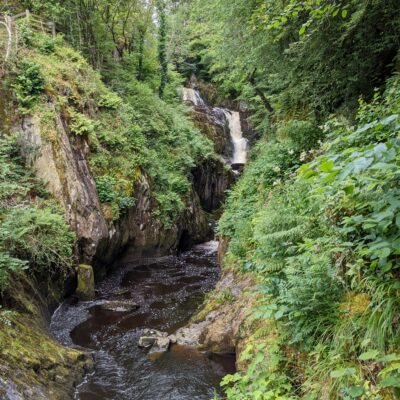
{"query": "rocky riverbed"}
pixel 151 299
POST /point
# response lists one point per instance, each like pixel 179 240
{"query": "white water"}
pixel 239 142
pixel 220 116
pixel 193 96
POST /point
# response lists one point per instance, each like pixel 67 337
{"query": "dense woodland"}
pixel 315 216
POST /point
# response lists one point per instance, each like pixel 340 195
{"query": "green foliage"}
pixel 324 243
pixel 162 47
pixel 109 101
pixel 46 45
pixel 29 84
pixel 33 234
pixel 81 125
pixel 26 34
pixel 116 192
pixel 39 236
pixel 132 133
pixel 9 265
pixel 298 58
pixel 264 378
pixel 304 134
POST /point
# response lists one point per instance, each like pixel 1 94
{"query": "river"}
pixel 168 291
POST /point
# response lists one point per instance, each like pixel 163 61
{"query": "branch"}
pixel 259 92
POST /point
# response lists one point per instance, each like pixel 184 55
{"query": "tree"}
pixel 162 46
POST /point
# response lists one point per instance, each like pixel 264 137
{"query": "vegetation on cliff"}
pixel 315 215
pixel 106 99
pixel 32 231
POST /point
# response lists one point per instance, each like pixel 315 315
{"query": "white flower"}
pixel 291 151
pixel 276 169
pixel 303 156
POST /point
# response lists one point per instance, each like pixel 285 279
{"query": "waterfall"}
pixel 193 96
pixel 220 116
pixel 239 142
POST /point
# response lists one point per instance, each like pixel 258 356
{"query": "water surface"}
pixel 169 291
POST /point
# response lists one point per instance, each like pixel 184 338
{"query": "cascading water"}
pixel 193 96
pixel 221 116
pixel 239 142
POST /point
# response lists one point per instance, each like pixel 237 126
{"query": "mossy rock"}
pixel 85 288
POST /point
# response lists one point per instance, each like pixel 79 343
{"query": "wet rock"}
pixel 119 306
pixel 155 332
pixel 161 345
pixel 85 289
pixel 146 341
pixel 123 292
pixel 61 164
pixel 172 339
pixel 211 180
pixel 157 341
pixel 216 327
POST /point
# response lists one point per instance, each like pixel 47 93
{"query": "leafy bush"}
pixel 46 45
pixel 117 192
pixel 39 236
pixel 15 180
pixel 34 236
pixel 29 84
pixel 303 134
pixel 110 100
pixel 325 244
pixel 81 125
pixel 25 33
pixel 8 266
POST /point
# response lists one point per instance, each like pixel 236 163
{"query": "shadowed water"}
pixel 169 291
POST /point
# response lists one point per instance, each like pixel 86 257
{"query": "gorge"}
pixel 199 199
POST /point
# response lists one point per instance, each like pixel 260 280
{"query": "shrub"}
pixel 34 237
pixel 26 34
pixel 39 236
pixel 110 100
pixel 116 192
pixel 29 84
pixel 81 125
pixel 325 243
pixel 304 134
pixel 46 45
pixel 8 266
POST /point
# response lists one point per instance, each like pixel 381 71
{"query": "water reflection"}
pixel 168 291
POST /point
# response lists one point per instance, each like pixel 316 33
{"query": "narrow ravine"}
pixel 168 291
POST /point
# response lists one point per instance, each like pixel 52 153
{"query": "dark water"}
pixel 168 291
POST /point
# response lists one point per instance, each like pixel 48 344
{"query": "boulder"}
pixel 85 288
pixel 157 341
pixel 161 345
pixel 154 332
pixel 119 306
pixel 146 341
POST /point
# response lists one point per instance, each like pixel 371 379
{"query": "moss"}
pixel 47 118
pixel 85 289
pixel 31 358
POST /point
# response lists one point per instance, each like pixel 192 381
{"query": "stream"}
pixel 169 291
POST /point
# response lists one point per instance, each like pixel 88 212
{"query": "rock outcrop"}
pixel 61 162
pixel 211 180
pixel 217 325
pixel 85 287
pixel 62 165
pixel 156 341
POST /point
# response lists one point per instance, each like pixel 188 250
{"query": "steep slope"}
pixel 86 173
pixel 317 248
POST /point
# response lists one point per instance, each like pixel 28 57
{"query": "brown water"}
pixel 169 291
